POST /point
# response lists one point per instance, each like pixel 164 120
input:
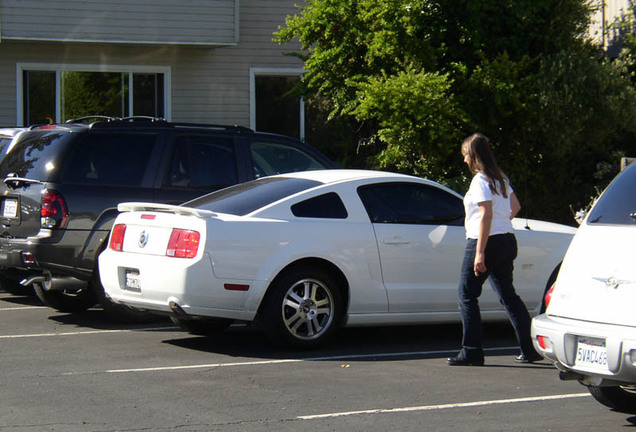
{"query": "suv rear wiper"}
pixel 14 181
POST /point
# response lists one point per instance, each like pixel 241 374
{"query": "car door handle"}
pixel 396 241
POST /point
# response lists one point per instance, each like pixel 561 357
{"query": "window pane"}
pixel 271 158
pixel 148 95
pixel 245 198
pixel 36 156
pixel 327 206
pixel 109 159
pixel 203 162
pixel 39 97
pixel 617 205
pixel 277 107
pixel 94 93
pixel 408 203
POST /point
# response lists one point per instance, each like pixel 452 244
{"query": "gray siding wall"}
pixel 207 84
pixel 209 22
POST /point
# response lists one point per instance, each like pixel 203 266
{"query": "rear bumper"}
pixel 557 340
pixel 21 258
pixel 175 286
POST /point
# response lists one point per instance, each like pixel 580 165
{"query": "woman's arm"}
pixel 485 208
pixel 515 206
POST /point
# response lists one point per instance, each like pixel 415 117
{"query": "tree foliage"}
pixel 422 74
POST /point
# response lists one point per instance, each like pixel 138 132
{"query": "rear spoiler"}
pixel 144 206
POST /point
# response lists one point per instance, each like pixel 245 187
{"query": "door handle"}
pixel 396 241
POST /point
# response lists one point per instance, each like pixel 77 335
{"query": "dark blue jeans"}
pixel 501 251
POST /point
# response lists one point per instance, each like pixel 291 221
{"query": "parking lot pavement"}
pixel 61 372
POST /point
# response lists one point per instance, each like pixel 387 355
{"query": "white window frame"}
pixel 254 72
pixel 59 68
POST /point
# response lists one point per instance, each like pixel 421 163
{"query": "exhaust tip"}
pixel 177 310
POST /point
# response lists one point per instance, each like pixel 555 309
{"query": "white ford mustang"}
pixel 306 253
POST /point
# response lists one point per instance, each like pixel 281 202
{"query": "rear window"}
pixel 37 155
pixel 247 197
pixel 617 205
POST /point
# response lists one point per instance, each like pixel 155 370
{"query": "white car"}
pixel 589 328
pixel 306 253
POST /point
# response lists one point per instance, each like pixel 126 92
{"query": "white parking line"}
pixel 443 407
pixel 20 308
pixel 82 333
pixel 405 354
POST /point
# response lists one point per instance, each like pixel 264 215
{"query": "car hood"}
pixel 597 281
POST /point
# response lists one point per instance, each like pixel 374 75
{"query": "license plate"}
pixel 133 281
pixel 591 353
pixel 10 208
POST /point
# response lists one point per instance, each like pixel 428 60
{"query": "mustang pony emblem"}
pixel 143 239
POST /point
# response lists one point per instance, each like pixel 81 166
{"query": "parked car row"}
pixel 62 184
pixel 215 224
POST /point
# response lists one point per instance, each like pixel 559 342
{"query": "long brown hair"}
pixel 481 160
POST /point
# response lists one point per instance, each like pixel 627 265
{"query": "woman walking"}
pixel 491 248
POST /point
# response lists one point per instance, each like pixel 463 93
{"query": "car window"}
pixel 327 206
pixel 270 158
pixel 411 203
pixel 37 155
pixel 202 161
pixel 4 143
pixel 245 198
pixel 109 159
pixel 617 205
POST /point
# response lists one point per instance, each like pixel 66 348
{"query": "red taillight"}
pixel 541 340
pixel 183 243
pixel 548 297
pixel 53 211
pixel 117 237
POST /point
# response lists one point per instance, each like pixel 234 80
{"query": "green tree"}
pixel 422 74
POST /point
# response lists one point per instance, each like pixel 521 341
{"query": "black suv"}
pixel 62 184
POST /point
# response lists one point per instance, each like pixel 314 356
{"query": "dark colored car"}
pixel 62 184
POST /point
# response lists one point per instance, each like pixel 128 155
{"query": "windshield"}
pixel 245 198
pixel 617 205
pixel 36 155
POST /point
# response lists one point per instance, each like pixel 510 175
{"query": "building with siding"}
pixel 603 29
pixel 211 61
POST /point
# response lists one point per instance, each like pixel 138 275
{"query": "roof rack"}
pixel 101 121
pixel 95 117
pixel 213 126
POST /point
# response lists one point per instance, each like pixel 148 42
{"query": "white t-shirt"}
pixel 479 191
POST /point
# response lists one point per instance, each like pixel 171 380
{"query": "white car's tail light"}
pixel 117 237
pixel 183 243
pixel 548 296
pixel 543 342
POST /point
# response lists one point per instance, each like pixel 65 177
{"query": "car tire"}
pixel 69 301
pixel 303 308
pixel 203 327
pixel 619 398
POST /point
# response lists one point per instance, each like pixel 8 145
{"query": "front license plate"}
pixel 10 208
pixel 591 353
pixel 133 281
